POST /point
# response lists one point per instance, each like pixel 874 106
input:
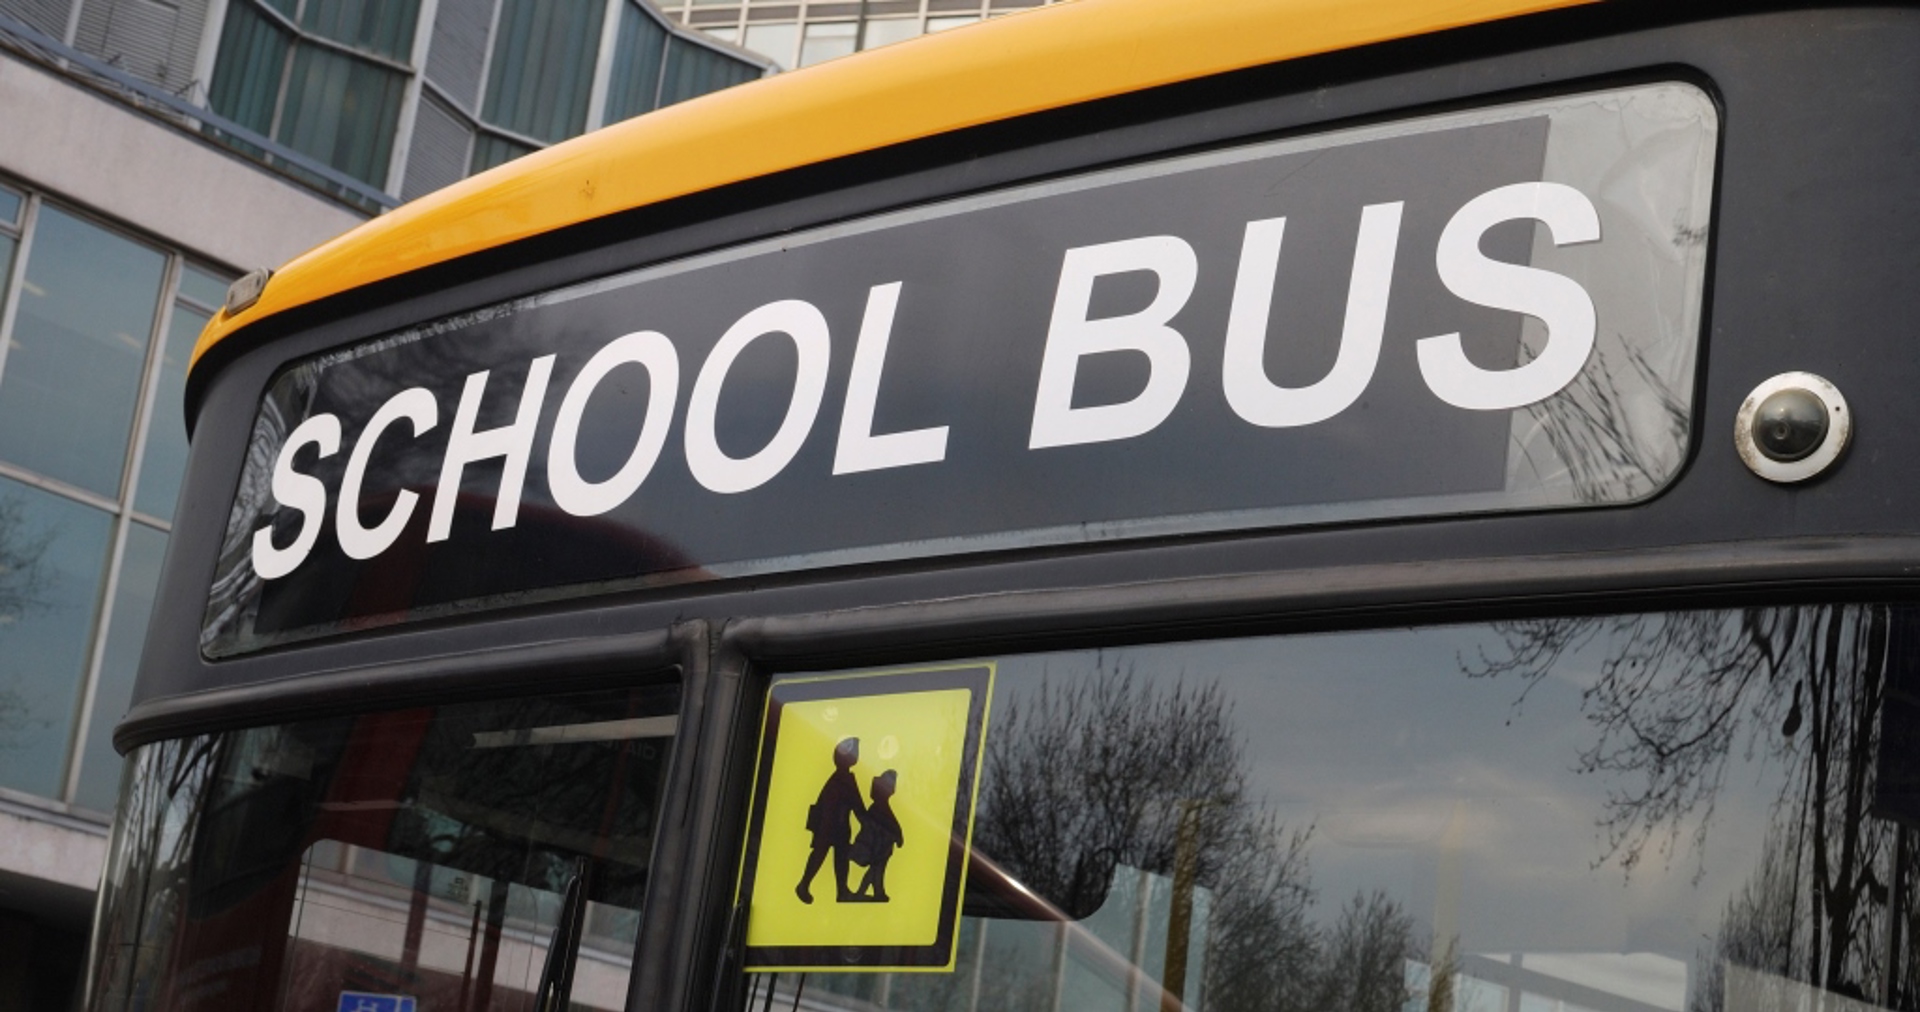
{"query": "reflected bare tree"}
pixel 1680 698
pixel 147 880
pixel 1100 772
pixel 24 585
pixel 1618 431
pixel 1364 957
pixel 1113 769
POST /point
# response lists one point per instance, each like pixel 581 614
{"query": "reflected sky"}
pixel 1459 796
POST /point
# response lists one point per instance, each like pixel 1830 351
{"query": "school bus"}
pixel 1142 504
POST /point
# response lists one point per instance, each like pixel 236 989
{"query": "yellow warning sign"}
pixel 862 819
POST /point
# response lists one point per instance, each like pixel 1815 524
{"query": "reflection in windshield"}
pixel 442 854
pixel 1679 699
pixel 1679 812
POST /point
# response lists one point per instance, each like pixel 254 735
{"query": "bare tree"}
pixel 1679 698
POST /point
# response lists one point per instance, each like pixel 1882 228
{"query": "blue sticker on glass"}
pixel 357 1001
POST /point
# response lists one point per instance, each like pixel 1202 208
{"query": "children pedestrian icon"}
pixel 828 821
pixel 879 835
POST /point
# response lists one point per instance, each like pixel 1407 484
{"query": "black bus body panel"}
pixel 1814 238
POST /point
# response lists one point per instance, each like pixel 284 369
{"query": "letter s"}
pixel 302 492
pixel 1557 300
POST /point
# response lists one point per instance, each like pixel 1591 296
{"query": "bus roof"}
pixel 1045 58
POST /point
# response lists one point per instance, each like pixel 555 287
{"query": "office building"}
pixel 797 33
pixel 150 151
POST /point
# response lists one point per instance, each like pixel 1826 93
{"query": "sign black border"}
pixel 977 678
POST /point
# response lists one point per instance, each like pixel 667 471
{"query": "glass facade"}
pixel 327 79
pixel 96 327
pixel 375 91
pixel 541 75
pixel 799 33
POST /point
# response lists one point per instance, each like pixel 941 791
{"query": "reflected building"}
pixel 800 33
pixel 152 152
pixel 1660 812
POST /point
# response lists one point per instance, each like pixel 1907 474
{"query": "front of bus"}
pixel 1131 506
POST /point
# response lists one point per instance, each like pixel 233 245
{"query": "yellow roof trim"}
pixel 1042 59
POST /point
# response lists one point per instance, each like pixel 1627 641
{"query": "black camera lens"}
pixel 1789 425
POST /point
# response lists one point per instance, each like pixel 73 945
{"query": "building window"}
pixel 75 355
pixel 634 85
pixel 693 70
pixel 324 77
pixel 540 79
pixel 827 39
pixel 480 83
pixel 95 330
pixel 822 32
pixel 776 42
pixel 885 31
pixel 490 150
pixel 529 103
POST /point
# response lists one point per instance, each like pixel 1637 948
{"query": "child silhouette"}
pixel 879 835
pixel 827 822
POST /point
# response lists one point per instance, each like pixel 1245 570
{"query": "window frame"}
pixel 754 650
pixel 298 35
pixel 679 655
pixel 119 508
pixel 472 115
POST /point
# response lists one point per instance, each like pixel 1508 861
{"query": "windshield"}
pixel 1671 812
pixel 469 856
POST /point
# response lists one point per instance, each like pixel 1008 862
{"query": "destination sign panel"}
pixel 1478 311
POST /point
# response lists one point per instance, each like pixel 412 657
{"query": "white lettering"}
pixel 1071 336
pixel 302 492
pixel 575 494
pixel 1558 301
pixel 465 446
pixel 417 406
pixel 1250 392
pixel 859 449
pixel 711 467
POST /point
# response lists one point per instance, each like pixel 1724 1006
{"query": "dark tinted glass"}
pixel 247 74
pixel 693 71
pixel 468 856
pixel 634 86
pixel 541 74
pixel 381 26
pixel 490 150
pixel 342 110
